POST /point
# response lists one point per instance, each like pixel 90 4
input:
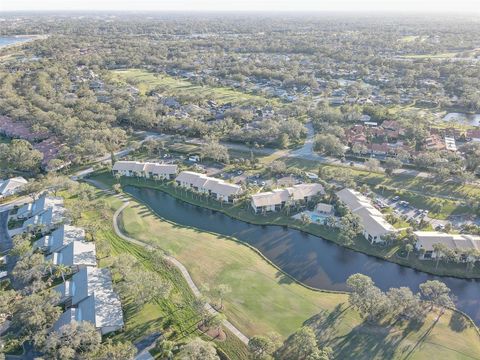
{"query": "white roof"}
pixel 155 168
pixel 202 181
pixel 277 196
pixel 371 219
pixel 326 208
pixel 426 240
pixel 60 237
pixel 77 253
pixel 93 298
pixel 10 186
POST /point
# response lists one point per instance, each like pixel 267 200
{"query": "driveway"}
pixel 5 240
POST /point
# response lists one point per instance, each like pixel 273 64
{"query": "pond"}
pixel 310 259
pixel 10 40
pixel 464 119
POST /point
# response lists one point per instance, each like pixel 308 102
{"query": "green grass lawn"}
pixel 173 315
pixel 146 81
pixel 242 211
pixel 263 300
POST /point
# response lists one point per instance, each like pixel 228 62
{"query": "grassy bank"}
pixel 264 300
pixel 175 314
pixel 242 212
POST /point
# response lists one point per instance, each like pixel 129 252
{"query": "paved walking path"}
pixel 177 264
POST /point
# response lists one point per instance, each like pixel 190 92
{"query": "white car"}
pixel 311 176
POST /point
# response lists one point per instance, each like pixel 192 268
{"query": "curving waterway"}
pixel 310 259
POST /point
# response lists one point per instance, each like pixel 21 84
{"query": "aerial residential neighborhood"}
pixel 212 180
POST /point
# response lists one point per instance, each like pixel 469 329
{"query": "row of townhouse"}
pixel 148 170
pixel 375 227
pixel 459 243
pixel 88 295
pixel 216 188
pixel 45 213
pixel 279 198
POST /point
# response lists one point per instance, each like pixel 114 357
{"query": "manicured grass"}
pixel 175 315
pixel 262 299
pixel 241 211
pixel 146 81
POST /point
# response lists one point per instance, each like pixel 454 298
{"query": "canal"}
pixel 310 259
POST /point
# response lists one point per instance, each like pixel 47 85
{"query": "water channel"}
pixel 310 259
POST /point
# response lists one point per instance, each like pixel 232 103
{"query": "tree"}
pixel 60 270
pixel 212 149
pixel 438 249
pixel 372 165
pixel 220 292
pixel 329 144
pixel 277 167
pixel 22 245
pixel 369 300
pixel 29 272
pixel 302 345
pixel 165 348
pixel 261 347
pixel 144 287
pixel 115 351
pixel 197 349
pixel 305 219
pixel 408 249
pixel 35 314
pixel 437 293
pixel 391 165
pixel 404 303
pixel 20 155
pixel 72 341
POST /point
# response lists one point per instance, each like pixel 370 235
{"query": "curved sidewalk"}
pixel 179 266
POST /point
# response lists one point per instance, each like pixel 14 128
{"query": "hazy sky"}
pixel 467 6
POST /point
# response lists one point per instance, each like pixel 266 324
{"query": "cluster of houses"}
pixel 278 199
pixel 11 186
pixel 460 243
pixel 387 139
pixel 376 229
pixel 43 141
pixel 88 295
pixel 148 170
pixel 374 226
pixel 371 138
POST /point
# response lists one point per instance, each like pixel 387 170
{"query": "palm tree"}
pixel 409 249
pixel 165 348
pixel 61 270
pixel 438 250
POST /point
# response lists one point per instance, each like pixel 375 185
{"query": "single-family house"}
pixel 59 238
pixel 216 188
pixel 11 186
pixel 456 242
pixel 473 135
pixel 75 255
pixel 277 199
pixel 148 170
pixel 91 296
pixel 374 225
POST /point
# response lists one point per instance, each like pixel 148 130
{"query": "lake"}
pixel 310 259
pixel 461 118
pixel 10 40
